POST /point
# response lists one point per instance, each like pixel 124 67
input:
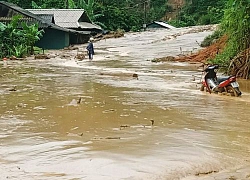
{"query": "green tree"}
pixel 201 12
pixel 31 35
pixel 16 42
pixel 133 12
pixel 10 37
pixel 88 7
pixel 236 25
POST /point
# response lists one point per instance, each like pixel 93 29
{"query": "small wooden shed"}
pixel 159 24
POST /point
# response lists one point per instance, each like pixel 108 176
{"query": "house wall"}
pixel 53 39
pixel 78 38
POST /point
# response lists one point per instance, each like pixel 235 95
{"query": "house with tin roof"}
pixel 55 37
pixel 76 19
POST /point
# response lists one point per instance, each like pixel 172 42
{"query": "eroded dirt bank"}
pixel 62 118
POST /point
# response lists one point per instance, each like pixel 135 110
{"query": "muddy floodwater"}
pixel 121 116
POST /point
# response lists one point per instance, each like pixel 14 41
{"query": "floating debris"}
pixel 103 138
pixel 21 105
pixel 75 102
pixel 79 100
pixel 152 122
pixel 108 111
pixel 124 126
pixel 13 89
pixel 80 57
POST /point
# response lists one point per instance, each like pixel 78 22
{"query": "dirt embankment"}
pixel 240 65
pixel 205 54
pixel 202 55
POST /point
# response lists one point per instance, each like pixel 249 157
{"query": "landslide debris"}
pixel 239 65
pixel 111 34
pixel 205 54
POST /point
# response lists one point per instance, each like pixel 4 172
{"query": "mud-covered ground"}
pixel 121 116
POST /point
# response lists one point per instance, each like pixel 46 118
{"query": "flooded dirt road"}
pixel 71 120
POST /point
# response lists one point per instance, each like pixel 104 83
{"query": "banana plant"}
pixel 88 6
pixel 14 41
pixel 2 35
pixel 71 4
pixel 19 50
pixel 9 36
pixel 31 34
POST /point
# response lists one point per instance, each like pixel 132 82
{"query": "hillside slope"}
pixel 176 6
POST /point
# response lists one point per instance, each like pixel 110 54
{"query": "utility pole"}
pixel 145 13
pixel 67 4
pixel 145 16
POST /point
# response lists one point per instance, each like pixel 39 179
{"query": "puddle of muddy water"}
pixel 93 120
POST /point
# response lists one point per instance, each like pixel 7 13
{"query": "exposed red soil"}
pixel 205 54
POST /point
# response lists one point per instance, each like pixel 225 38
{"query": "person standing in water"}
pixel 90 49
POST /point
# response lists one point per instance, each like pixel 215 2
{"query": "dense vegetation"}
pixel 17 42
pixel 236 26
pixel 200 12
pixel 132 14
pixel 111 14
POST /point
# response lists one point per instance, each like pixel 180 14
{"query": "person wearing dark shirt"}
pixel 90 49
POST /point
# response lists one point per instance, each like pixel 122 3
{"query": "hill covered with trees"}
pixel 132 14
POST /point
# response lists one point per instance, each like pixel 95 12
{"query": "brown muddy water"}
pixel 63 119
